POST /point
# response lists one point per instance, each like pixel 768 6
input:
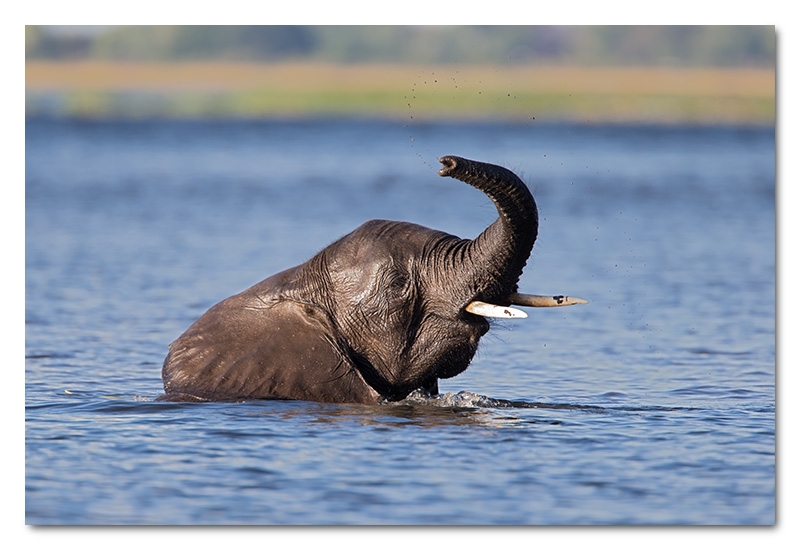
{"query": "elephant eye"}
pixel 398 281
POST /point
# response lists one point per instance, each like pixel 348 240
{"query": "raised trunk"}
pixel 498 255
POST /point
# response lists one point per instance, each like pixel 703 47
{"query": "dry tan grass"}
pixel 610 93
pixel 243 76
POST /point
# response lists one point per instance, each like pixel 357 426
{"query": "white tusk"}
pixel 532 300
pixel 490 310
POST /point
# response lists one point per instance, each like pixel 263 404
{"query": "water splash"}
pixel 462 399
pixel 467 400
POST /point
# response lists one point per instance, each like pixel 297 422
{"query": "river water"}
pixel 652 404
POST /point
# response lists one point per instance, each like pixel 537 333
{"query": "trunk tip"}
pixel 449 163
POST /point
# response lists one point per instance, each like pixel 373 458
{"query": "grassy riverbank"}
pixel 96 89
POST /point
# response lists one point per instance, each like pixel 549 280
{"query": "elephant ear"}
pixel 272 350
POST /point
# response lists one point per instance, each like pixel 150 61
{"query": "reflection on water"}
pixel 652 404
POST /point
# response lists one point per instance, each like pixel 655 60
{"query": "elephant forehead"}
pixel 377 240
pixel 360 270
pixel 376 252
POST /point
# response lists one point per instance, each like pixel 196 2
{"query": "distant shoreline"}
pixel 421 92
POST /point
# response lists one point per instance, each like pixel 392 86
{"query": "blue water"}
pixel 652 404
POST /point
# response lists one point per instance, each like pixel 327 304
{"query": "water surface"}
pixel 653 404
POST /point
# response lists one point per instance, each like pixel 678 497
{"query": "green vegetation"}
pixel 719 46
pixel 400 91
pixel 598 73
pixel 544 107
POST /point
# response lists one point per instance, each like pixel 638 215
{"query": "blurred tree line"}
pixel 507 45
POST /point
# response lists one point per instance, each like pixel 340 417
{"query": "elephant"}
pixel 384 311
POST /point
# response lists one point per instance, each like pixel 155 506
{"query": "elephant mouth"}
pixel 484 309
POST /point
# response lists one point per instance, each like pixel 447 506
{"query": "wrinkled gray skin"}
pixel 374 316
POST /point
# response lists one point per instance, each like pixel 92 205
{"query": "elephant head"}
pixel 387 309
